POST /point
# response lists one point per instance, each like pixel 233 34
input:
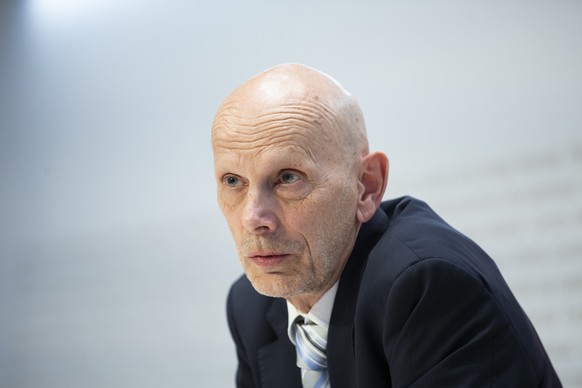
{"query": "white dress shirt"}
pixel 320 313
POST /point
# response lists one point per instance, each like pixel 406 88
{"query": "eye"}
pixel 288 177
pixel 231 180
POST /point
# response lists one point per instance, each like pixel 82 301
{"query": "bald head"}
pixel 307 101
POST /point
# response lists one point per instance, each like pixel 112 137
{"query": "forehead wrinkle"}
pixel 312 114
pixel 285 135
pixel 277 125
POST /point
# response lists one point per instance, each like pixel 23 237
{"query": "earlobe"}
pixel 373 178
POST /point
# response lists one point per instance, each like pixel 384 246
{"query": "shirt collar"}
pixel 320 312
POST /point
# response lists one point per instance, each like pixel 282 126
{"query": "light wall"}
pixel 114 259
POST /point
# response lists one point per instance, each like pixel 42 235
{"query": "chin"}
pixel 276 286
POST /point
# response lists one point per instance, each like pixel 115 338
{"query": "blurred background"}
pixel 114 258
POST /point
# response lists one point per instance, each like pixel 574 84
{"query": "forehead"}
pixel 299 127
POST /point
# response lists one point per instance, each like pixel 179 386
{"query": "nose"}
pixel 259 213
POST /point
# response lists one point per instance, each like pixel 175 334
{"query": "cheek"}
pixel 231 215
pixel 320 216
pixel 228 201
pixel 336 216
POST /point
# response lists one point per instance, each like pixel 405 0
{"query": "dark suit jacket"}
pixel 418 305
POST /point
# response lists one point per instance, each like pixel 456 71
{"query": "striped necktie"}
pixel 310 344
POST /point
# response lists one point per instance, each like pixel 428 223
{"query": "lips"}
pixel 268 260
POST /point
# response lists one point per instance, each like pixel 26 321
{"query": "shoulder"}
pixel 428 289
pixel 423 265
pixel 416 233
pixel 419 249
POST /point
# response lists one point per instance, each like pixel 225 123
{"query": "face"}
pixel 290 201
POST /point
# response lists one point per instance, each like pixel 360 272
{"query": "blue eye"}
pixel 288 177
pixel 231 180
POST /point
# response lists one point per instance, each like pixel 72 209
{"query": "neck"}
pixel 304 302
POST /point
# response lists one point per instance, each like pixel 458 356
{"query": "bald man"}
pixel 341 289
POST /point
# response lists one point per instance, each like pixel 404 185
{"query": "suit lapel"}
pixel 277 360
pixel 340 341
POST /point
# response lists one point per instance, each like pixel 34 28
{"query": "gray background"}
pixel 114 258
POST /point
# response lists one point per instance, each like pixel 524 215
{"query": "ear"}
pixel 373 177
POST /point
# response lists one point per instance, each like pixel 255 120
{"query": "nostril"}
pixel 262 229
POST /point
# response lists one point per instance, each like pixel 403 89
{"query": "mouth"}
pixel 268 260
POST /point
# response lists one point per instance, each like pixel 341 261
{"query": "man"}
pixel 340 288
